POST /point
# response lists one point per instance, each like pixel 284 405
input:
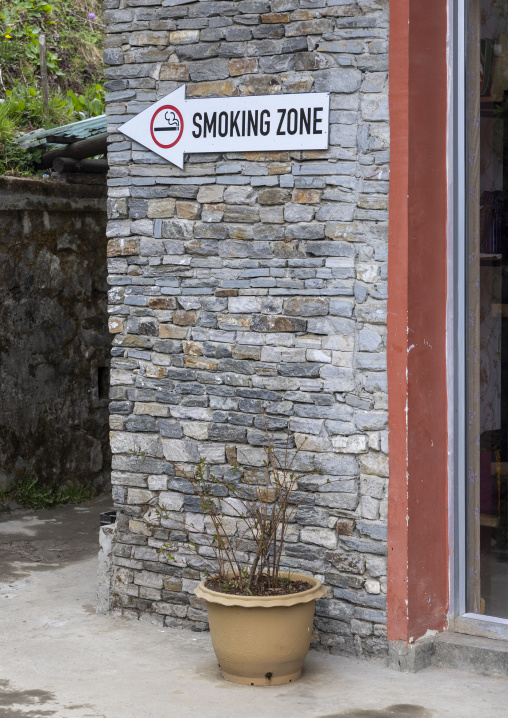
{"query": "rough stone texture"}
pixel 104 568
pixel 54 345
pixel 252 278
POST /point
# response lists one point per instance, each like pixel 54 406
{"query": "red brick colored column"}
pixel 418 511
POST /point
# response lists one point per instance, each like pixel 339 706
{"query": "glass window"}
pixel 487 130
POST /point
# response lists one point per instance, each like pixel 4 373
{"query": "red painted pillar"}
pixel 418 511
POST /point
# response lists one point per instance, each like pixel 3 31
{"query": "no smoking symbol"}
pixel 166 126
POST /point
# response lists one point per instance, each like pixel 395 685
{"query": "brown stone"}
pixel 274 156
pixel 226 292
pixel 367 201
pixel 116 325
pixel 206 89
pixel 184 318
pixel 133 340
pixel 345 527
pixel 161 208
pixel 234 320
pixel 265 494
pixel 274 195
pixel 243 66
pixel 265 323
pixel 188 210
pixel 148 38
pixel 154 372
pixel 231 454
pixel 240 231
pixel 279 168
pixel 162 303
pixel 261 85
pixel 306 196
pixel 172 584
pixel 347 562
pixel 123 247
pixel 241 213
pixel 174 71
pixel 184 37
pixel 245 351
pixel 297 84
pixel 200 363
pixel 193 348
pixel 168 331
pixel 274 17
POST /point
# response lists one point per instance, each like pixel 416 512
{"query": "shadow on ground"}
pixel 48 540
pixel 399 710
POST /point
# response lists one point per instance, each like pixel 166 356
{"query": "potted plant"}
pixel 260 615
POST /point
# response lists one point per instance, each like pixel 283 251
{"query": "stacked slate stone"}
pixel 248 279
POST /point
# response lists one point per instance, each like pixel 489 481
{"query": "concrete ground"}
pixel 59 658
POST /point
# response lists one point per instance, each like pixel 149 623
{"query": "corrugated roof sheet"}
pixel 66 134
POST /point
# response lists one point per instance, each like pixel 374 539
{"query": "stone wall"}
pixel 54 343
pixel 251 278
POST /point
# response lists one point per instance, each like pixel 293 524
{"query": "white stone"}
pixel 180 450
pixel 369 508
pixel 171 500
pixel 195 430
pixel 319 536
pixel 372 586
pixel 242 194
pixel 244 305
pixel 355 444
pixel 212 453
pixel 367 272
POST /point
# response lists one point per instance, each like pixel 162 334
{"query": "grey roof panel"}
pixel 65 134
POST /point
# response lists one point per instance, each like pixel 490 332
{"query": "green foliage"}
pixel 27 103
pixel 32 494
pixel 91 104
pixel 74 42
pixel 75 71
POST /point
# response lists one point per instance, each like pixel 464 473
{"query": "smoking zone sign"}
pixel 166 127
pixel 175 125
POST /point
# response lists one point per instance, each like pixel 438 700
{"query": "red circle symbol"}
pixel 166 124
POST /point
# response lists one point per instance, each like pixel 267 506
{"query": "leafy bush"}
pixel 74 42
pixel 31 493
pixel 91 104
pixel 75 70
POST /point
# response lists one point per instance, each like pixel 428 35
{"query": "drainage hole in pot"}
pixel 268 675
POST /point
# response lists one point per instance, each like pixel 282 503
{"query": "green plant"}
pixel 91 104
pixel 247 551
pixel 27 103
pixel 75 71
pixel 31 493
pixel 32 52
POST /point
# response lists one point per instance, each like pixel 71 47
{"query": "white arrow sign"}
pixel 174 125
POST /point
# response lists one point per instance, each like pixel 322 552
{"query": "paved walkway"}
pixel 59 659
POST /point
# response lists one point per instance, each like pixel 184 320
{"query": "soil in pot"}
pixel 264 587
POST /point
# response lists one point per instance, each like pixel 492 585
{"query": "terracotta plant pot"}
pixel 262 640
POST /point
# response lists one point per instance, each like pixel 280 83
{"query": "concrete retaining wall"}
pixel 54 344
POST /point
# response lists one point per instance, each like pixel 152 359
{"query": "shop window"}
pixel 487 316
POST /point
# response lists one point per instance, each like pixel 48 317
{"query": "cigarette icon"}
pixel 173 123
